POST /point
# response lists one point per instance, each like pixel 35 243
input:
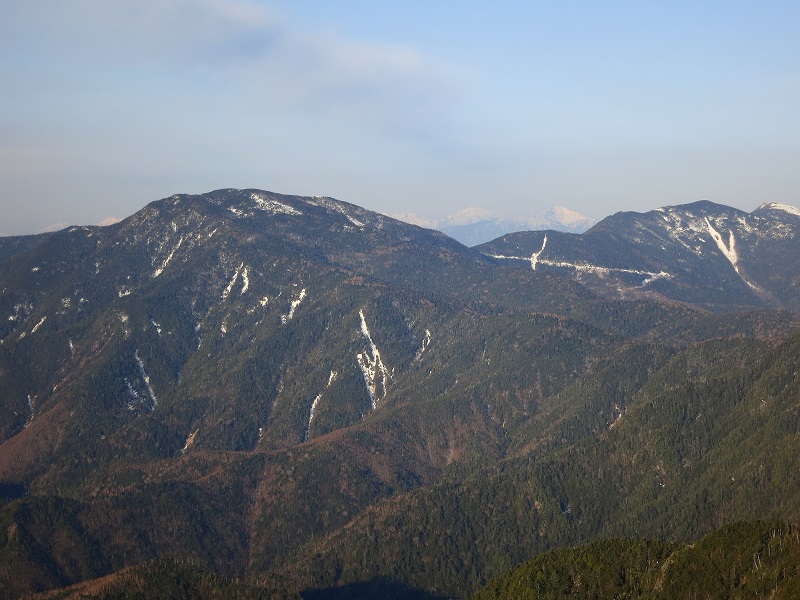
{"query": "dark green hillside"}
pixel 11 245
pixel 741 561
pixel 708 439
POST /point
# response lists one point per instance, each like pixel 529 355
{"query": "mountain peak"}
pixel 472 226
pixel 467 216
pixel 775 206
pixel 686 253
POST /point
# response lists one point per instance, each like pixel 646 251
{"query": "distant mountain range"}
pixel 300 393
pixel 473 226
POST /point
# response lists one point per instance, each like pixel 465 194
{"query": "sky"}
pixel 425 107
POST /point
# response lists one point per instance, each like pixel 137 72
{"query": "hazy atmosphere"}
pixel 416 106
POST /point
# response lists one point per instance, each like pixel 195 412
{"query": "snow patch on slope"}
pixel 30 410
pixel 649 276
pixel 146 379
pixel 272 206
pixel 293 306
pixel 245 281
pixel 164 264
pixel 535 256
pixel 335 206
pixel 232 282
pixel 313 410
pixel 189 441
pixel 729 251
pixel 376 375
pixel 787 208
pixel 426 341
pixel 39 324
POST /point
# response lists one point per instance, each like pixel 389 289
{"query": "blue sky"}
pixel 426 107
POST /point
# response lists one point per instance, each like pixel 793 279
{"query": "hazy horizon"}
pixel 419 107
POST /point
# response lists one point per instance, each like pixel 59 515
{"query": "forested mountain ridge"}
pixel 742 560
pixel 298 390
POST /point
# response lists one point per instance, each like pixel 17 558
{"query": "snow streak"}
pixel 293 306
pixel 134 394
pixel 335 206
pixel 535 256
pixel 331 379
pixel 586 267
pixel 189 441
pixel 30 416
pixel 273 206
pixel 245 280
pixel 425 343
pixel 228 289
pixel 372 366
pixel 163 266
pixel 39 324
pixel 729 251
pixel 146 379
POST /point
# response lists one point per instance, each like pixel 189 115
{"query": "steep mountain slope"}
pixel 296 388
pixel 303 310
pixel 709 438
pixel 706 254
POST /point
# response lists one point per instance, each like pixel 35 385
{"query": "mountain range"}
pixel 310 397
pixel 473 226
pixel 703 253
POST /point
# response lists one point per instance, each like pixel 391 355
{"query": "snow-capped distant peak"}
pixel 570 218
pixel 473 226
pixel 468 216
pixel 414 219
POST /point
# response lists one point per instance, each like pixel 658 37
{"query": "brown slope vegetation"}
pixel 166 579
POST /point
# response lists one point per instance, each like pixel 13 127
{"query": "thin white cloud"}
pixel 143 99
pixel 249 52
